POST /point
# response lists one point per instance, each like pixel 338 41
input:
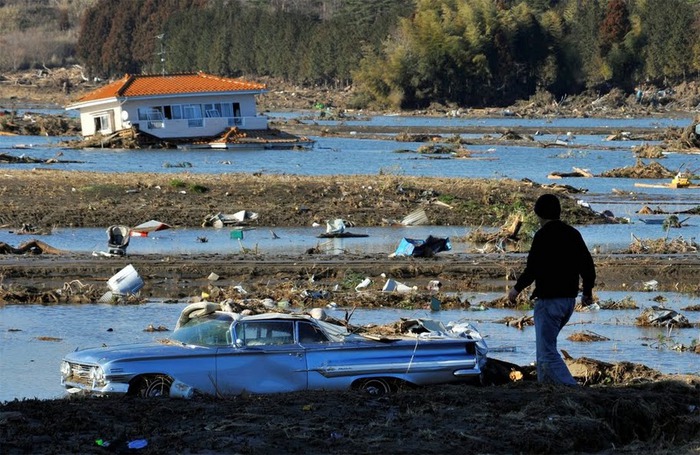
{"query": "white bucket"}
pixel 126 281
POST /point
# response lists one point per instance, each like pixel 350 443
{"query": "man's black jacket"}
pixel 557 258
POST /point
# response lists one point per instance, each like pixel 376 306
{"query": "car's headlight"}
pixel 97 375
pixel 66 369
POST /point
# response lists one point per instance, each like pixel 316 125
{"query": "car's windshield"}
pixel 209 330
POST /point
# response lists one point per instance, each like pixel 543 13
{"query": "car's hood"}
pixel 151 351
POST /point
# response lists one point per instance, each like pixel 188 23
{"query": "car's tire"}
pixel 156 386
pixel 376 387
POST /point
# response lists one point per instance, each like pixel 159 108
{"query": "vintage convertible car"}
pixel 218 352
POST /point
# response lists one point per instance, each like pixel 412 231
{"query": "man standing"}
pixel 557 258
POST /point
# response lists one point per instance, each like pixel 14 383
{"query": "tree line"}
pixel 403 53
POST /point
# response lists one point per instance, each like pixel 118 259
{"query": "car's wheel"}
pixel 154 386
pixel 375 387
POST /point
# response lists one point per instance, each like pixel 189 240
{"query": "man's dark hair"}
pixel 548 207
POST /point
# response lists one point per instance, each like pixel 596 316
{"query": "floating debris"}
pixel 587 337
pixel 627 303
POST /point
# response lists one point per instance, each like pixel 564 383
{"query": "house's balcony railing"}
pixel 208 126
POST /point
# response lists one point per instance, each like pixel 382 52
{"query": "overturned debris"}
pixel 240 218
pixel 422 248
pixel 337 229
pixel 576 172
pixel 657 316
pixel 31 246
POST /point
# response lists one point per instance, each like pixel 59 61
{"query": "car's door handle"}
pixel 295 354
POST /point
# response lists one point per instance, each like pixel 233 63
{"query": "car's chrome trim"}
pixel 330 371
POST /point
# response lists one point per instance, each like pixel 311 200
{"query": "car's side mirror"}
pixel 239 343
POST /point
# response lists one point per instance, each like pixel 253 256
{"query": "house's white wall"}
pixel 111 110
pixel 212 126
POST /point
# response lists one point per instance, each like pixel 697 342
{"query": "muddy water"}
pixel 603 238
pixel 34 338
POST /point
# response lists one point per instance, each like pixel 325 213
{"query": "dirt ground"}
pixel 651 417
pixel 629 409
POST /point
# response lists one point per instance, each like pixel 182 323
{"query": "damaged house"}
pixel 172 106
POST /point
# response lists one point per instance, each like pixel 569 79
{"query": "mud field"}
pixel 54 199
pixel 627 409
pixel 651 418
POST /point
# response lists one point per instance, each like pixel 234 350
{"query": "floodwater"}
pixel 30 364
pixel 33 339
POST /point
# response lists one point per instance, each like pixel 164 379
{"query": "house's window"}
pixel 192 110
pixel 154 115
pixel 151 113
pixel 168 112
pixel 234 114
pixel 102 123
pixel 193 114
pixel 226 110
pixel 213 110
pixel 176 111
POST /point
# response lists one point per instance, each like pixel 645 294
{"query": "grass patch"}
pixel 177 183
pixel 195 188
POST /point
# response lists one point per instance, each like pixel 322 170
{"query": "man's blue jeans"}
pixel 551 315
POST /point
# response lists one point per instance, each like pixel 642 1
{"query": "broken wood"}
pixel 31 246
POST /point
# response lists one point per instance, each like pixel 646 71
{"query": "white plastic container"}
pixel 126 281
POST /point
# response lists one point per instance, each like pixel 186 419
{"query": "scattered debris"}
pixel 506 238
pixel 518 323
pixel 626 303
pixel 117 240
pixel 126 281
pixel 662 246
pixel 144 229
pixel 651 286
pixel 422 248
pixel 152 328
pixel 363 284
pixel 416 218
pixel 641 170
pixel 577 172
pixel 336 229
pixel 660 316
pixel 392 285
pixel 587 336
pixel 10 159
pixel 31 246
pixel 240 218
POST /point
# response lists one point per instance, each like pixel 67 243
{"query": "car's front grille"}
pixel 80 373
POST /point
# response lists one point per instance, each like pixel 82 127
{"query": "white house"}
pixel 172 106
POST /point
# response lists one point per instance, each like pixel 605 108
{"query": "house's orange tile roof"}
pixel 170 84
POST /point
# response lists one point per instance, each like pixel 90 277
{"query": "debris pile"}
pixel 31 247
pixel 587 337
pixel 641 170
pixel 657 316
pixel 505 239
pixel 662 246
pixel 626 303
